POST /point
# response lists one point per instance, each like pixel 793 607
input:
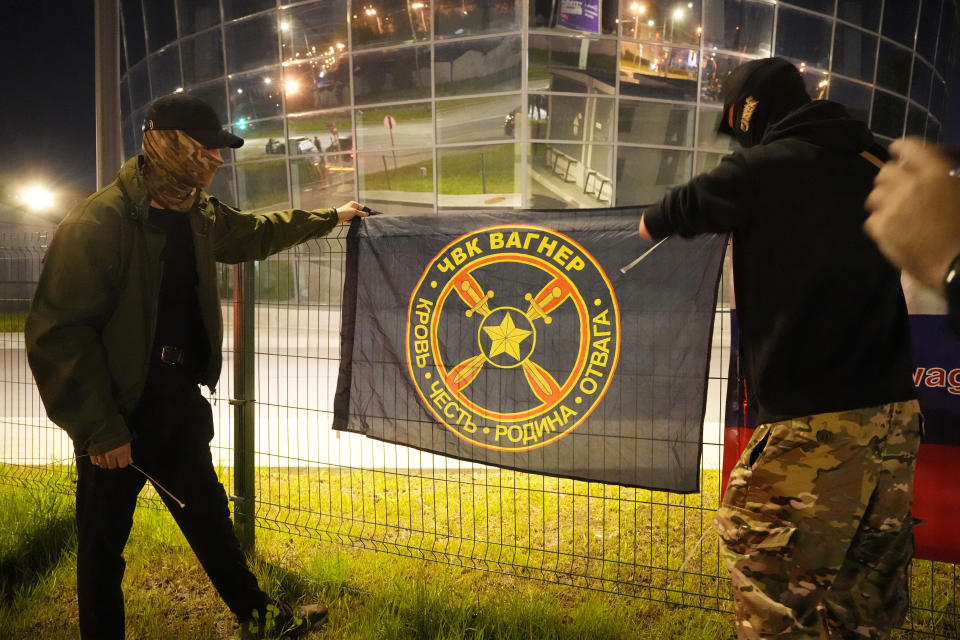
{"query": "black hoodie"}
pixel 823 322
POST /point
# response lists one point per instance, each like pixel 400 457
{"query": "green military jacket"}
pixel 90 329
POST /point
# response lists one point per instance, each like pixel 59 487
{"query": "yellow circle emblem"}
pixel 513 336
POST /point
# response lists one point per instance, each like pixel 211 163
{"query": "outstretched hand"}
pixel 915 211
pixel 352 209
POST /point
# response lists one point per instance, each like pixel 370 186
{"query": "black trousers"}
pixel 172 428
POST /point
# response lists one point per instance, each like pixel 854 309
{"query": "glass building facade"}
pixel 417 106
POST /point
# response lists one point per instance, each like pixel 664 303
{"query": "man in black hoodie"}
pixel 815 522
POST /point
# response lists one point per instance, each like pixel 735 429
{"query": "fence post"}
pixel 483 172
pixel 386 171
pixel 244 378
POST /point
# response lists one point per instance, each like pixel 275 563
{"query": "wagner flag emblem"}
pixel 514 340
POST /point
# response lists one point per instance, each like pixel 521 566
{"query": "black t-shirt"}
pixel 179 323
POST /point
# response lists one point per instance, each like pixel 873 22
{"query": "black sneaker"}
pixel 279 620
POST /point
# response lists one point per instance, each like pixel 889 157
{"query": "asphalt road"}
pixel 297 364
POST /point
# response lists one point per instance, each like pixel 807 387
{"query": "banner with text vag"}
pixel 513 339
pixel 936 374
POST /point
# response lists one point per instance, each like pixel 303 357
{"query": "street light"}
pixel 677 15
pixel 419 7
pixel 638 10
pixel 371 12
pixel 36 197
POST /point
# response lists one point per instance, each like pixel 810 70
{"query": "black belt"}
pixel 172 355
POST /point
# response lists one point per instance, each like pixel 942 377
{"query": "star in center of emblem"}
pixel 506 338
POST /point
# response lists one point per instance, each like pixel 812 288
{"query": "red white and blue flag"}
pixel 936 374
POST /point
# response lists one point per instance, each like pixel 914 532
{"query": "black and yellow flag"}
pixel 515 340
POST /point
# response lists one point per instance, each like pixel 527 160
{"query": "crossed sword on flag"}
pixel 541 305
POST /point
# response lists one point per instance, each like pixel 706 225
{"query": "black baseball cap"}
pixel 775 87
pixel 193 116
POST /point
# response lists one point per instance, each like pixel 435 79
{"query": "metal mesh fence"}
pixel 314 482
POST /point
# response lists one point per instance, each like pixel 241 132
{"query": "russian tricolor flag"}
pixel 936 374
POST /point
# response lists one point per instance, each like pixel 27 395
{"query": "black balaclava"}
pixel 761 92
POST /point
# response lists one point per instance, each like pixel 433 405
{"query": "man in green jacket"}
pixel 124 327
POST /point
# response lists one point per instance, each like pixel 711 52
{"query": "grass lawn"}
pixel 327 545
pixel 372 595
pixel 490 170
pixel 12 322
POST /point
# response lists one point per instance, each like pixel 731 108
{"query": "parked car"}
pixel 303 144
pixel 275 147
pixel 343 143
pixel 535 113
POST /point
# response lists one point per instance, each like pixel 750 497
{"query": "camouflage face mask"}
pixel 177 165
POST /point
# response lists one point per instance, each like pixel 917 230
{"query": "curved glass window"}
pixel 803 37
pixel 714 69
pixel 239 8
pixel 739 25
pixel 397 74
pixel 161 23
pixel 821 6
pixel 480 119
pixel 707 136
pixel 197 15
pixel 860 13
pixel 854 53
pixel 134 38
pixel 327 132
pixel 317 83
pixel 855 97
pixel 656 71
pixel 263 140
pixel 223 185
pixel 575 60
pixel 387 128
pixel 921 82
pixel 900 20
pixel 916 121
pixel 933 129
pixel 893 67
pixel 313 30
pixel 938 98
pixel 488 173
pixel 165 71
pixel 645 175
pixel 214 94
pixel 324 180
pixel 666 21
pixel 252 43
pixel 656 123
pixel 927 29
pixel 396 100
pixel 477 66
pixel 263 185
pixel 386 22
pixel 139 85
pixel 468 17
pixel 256 95
pixel 888 114
pixel 202 57
pixel 946 39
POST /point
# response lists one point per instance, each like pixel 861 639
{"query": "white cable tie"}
pixel 180 502
pixel 645 254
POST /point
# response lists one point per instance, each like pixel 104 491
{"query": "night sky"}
pixel 47 104
pixel 47 126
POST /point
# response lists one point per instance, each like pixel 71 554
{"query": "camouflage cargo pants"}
pixel 816 527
